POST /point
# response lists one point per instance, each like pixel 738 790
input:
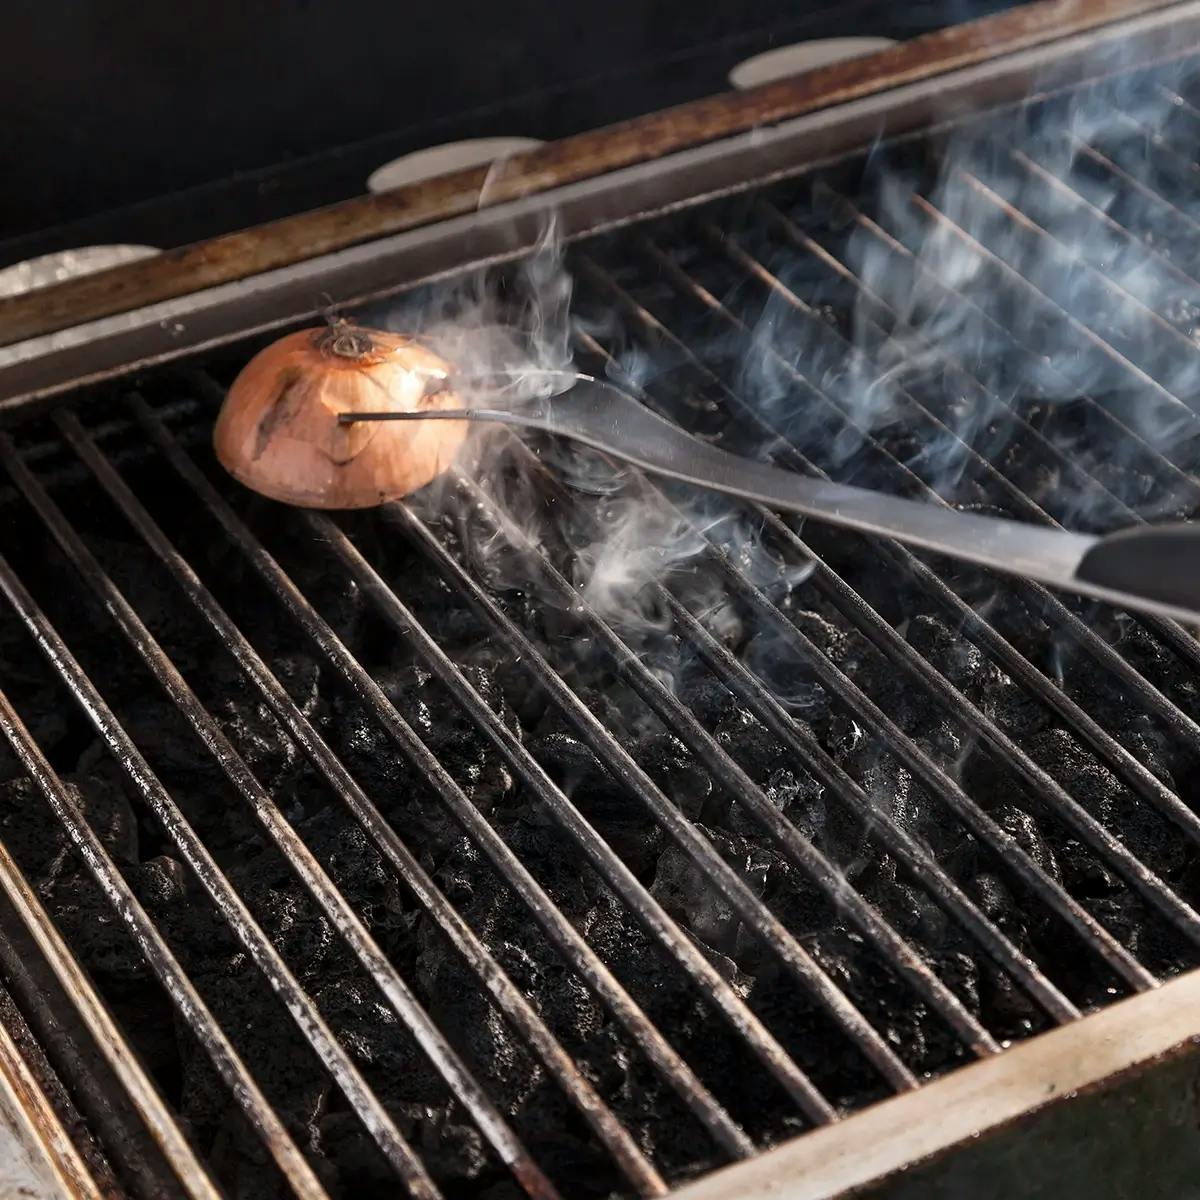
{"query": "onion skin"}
pixel 278 430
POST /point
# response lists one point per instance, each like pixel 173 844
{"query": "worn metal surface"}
pixel 37 1159
pixel 1131 1134
pixel 1105 1108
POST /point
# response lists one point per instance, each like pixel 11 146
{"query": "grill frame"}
pixel 38 1155
pixel 657 135
pixel 728 143
pixel 794 1162
pixel 1014 1096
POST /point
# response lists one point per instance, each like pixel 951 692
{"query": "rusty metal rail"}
pixel 235 256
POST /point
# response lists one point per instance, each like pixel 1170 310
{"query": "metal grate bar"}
pixel 1166 135
pixel 1024 504
pixel 1175 328
pixel 799 963
pixel 739 785
pixel 310 1022
pixel 336 907
pixel 56 1043
pixel 1121 760
pixel 561 932
pixel 1069 191
pixel 735 676
pixel 1173 98
pixel 1180 642
pixel 923 767
pixel 684 725
pixel 1168 631
pixel 875 231
pixel 905 749
pixel 802 240
pixel 1154 142
pixel 1181 915
pixel 906 849
pixel 154 949
pixel 1143 191
pixel 608 1129
pixel 1164 465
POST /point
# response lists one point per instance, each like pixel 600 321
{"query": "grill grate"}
pixel 409 856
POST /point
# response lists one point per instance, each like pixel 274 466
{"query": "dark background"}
pixel 165 123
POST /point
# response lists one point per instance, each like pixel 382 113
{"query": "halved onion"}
pixel 278 430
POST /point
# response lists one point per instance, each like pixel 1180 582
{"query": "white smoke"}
pixel 1042 261
pixel 1025 293
pixel 507 332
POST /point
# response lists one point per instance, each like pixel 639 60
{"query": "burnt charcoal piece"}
pixel 396 787
pixel 74 901
pixel 335 594
pixel 960 661
pixel 685 891
pixel 845 648
pixel 1024 829
pixel 53 726
pixel 1143 829
pixel 42 846
pixel 800 797
pixel 376 1038
pixel 347 1153
pixel 847 741
pixel 159 602
pixel 451 734
pixel 790 791
pixel 741 734
pixel 43 850
pixel 620 820
pixel 260 741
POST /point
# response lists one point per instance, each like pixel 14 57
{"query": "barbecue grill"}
pixel 560 832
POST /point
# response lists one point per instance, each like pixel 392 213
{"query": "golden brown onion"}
pixel 278 430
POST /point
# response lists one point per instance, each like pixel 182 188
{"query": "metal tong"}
pixel 1149 568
